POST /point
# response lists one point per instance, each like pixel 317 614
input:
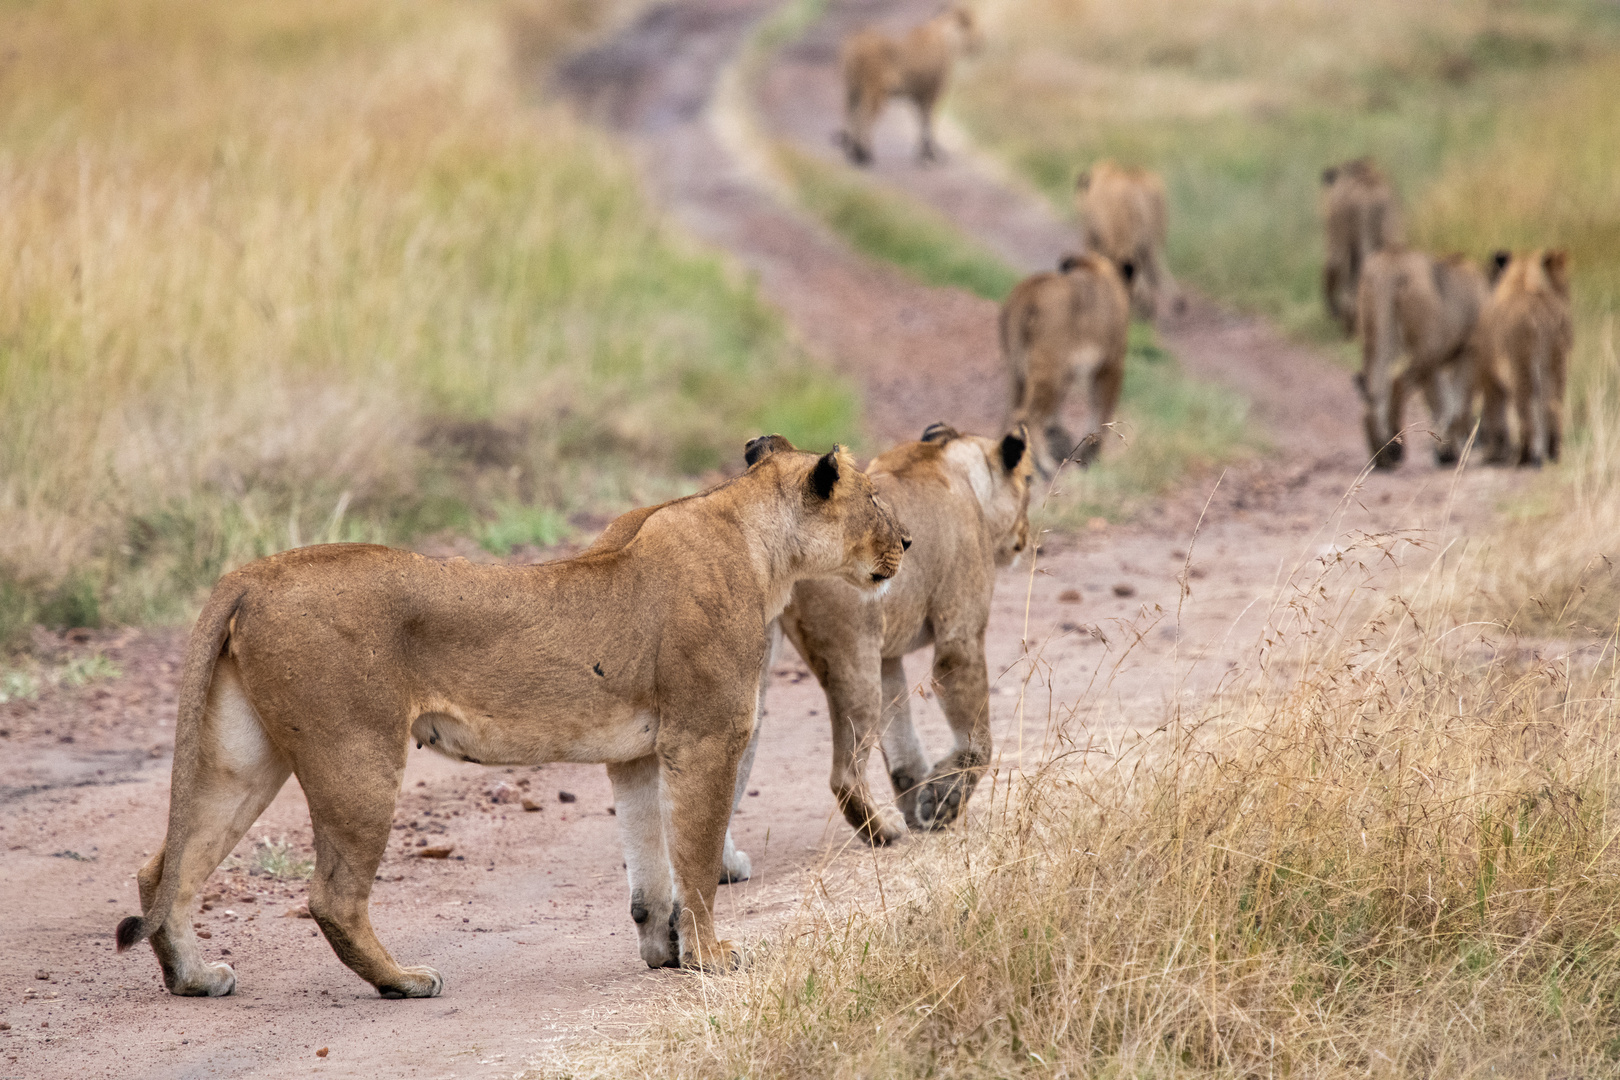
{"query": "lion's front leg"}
pixel 698 773
pixel 962 683
pixel 638 805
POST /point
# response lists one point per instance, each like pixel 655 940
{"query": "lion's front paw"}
pixel 941 798
pixel 420 981
pixel 720 957
pixel 214 980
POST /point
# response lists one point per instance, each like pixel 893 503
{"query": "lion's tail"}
pixel 202 653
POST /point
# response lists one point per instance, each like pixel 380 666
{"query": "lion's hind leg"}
pixel 638 806
pixel 237 773
pixel 351 806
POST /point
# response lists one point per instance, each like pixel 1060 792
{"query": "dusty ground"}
pixel 527 917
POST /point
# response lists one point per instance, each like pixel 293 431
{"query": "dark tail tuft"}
pixel 129 932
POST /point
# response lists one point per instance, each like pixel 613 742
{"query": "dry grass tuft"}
pixel 1390 853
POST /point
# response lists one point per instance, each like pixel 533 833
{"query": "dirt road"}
pixel 527 917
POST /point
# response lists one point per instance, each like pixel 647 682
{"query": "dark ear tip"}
pixel 1013 445
pixel 1329 175
pixel 1067 263
pixel 825 474
pixel 763 447
pixel 939 431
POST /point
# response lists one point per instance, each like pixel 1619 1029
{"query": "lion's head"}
pixel 843 526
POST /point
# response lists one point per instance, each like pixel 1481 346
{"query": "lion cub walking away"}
pixel 1426 309
pixel 1529 332
pixel 1122 212
pixel 1059 328
pixel 917 66
pixel 965 501
pixel 644 652
pixel 1360 216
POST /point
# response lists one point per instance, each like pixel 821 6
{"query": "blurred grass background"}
pixel 280 272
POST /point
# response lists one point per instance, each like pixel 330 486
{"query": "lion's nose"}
pixel 905 543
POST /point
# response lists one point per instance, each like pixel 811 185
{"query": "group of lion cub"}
pixel 650 651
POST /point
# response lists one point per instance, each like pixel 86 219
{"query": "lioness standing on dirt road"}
pixel 916 66
pixel 644 652
pixel 964 499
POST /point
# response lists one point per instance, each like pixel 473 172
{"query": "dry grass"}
pixel 1390 852
pixel 284 272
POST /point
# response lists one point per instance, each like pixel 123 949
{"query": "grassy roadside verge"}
pixel 292 272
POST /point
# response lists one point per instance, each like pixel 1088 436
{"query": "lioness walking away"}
pixel 964 499
pixel 1058 329
pixel 1123 214
pixel 1360 216
pixel 644 652
pixel 916 66
pixel 1529 332
pixel 1426 309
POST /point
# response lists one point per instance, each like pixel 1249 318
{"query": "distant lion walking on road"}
pixel 1426 309
pixel 1122 211
pixel 1059 328
pixel 916 66
pixel 1528 334
pixel 1361 216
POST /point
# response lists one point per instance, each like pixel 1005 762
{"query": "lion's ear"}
pixel 825 475
pixel 1013 445
pixel 1127 270
pixel 1499 262
pixel 1067 263
pixel 763 447
pixel 1329 175
pixel 939 431
pixel 1083 181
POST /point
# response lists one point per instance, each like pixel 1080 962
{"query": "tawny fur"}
pixel 1123 215
pixel 1528 333
pixel 1424 309
pixel 916 66
pixel 1360 216
pixel 644 652
pixel 1058 329
pixel 964 499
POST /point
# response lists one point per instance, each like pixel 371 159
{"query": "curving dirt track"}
pixel 527 918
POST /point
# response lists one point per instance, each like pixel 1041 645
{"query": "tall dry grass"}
pixel 1389 852
pixel 278 272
